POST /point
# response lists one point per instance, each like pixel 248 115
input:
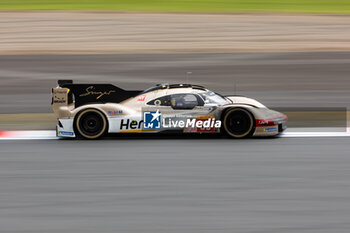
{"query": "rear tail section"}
pixel 61 98
pixel 76 95
pixel 62 102
pixel 67 97
pixel 61 95
pixel 82 94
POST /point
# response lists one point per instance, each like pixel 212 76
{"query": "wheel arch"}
pixel 86 109
pixel 249 109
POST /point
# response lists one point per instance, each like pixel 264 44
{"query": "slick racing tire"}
pixel 238 123
pixel 90 124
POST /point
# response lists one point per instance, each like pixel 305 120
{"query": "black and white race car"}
pixel 92 110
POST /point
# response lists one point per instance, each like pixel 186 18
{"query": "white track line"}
pixel 313 134
pixel 51 135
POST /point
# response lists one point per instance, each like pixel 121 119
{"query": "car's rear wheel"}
pixel 90 124
pixel 238 123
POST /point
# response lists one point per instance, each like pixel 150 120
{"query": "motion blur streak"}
pixel 305 79
pixel 87 32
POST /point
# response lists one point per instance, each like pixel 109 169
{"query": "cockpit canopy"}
pixel 171 86
pixel 189 100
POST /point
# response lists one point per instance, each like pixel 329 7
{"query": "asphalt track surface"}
pixel 300 79
pixel 171 184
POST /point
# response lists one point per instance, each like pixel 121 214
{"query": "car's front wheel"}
pixel 238 123
pixel 90 124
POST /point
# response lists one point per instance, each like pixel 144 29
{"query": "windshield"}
pixel 213 98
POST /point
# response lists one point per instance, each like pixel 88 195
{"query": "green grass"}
pixel 215 6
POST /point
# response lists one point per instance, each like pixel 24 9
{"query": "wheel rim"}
pixel 91 124
pixel 238 123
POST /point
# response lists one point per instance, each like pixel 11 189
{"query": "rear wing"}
pixel 82 94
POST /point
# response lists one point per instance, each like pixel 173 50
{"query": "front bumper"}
pixel 270 127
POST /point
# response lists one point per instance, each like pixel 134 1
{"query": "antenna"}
pixel 187 74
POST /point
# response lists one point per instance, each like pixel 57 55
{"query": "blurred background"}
pixel 290 55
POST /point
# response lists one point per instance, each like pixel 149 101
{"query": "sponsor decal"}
pixel 60 91
pixel 91 91
pixel 270 129
pixel 264 122
pixel 202 107
pixel 59 97
pixel 152 120
pixel 57 101
pixel 141 98
pixel 127 124
pixel 115 112
pixel 197 125
pixel 65 133
pixel 208 125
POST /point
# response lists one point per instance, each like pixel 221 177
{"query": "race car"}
pixel 90 111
